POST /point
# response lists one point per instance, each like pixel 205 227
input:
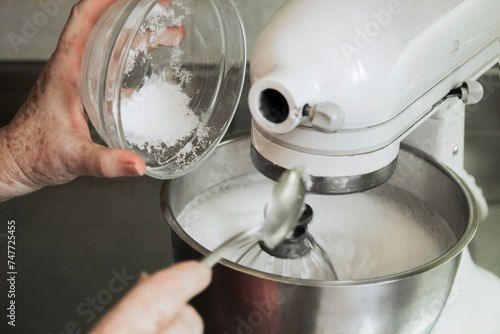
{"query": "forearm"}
pixel 13 182
pixel 48 142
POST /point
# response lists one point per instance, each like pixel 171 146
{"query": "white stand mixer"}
pixel 338 85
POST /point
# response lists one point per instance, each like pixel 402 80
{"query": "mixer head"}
pixel 288 131
pixel 331 95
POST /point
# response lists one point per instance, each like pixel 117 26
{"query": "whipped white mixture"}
pixel 365 236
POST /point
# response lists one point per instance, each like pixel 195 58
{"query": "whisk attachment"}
pixel 296 245
pixel 298 256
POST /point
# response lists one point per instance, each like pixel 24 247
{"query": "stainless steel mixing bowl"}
pixel 242 300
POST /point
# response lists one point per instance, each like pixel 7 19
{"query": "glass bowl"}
pixel 164 78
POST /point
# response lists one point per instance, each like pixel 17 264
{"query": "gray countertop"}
pixel 73 240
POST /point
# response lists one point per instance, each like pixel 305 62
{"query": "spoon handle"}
pixel 230 245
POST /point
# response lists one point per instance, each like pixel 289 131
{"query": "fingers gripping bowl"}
pixel 163 79
pixel 408 300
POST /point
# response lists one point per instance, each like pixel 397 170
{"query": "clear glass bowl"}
pixel 170 102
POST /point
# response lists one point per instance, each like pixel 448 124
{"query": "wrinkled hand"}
pixel 158 304
pixel 48 141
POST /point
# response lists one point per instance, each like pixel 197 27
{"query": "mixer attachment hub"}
pixel 274 106
pixel 296 245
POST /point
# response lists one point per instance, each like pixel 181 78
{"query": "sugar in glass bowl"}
pixel 164 78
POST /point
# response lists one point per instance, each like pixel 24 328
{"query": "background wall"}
pixel 29 29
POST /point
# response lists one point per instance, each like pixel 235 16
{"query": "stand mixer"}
pixel 367 98
pixel 337 86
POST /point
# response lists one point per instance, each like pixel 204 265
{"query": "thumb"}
pixel 100 161
pixel 156 301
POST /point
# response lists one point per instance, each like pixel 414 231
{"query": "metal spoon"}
pixel 281 215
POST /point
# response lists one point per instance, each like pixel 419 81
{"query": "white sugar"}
pixel 157 119
pixel 157 114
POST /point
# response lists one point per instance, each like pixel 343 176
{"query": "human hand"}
pixel 158 303
pixel 48 141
